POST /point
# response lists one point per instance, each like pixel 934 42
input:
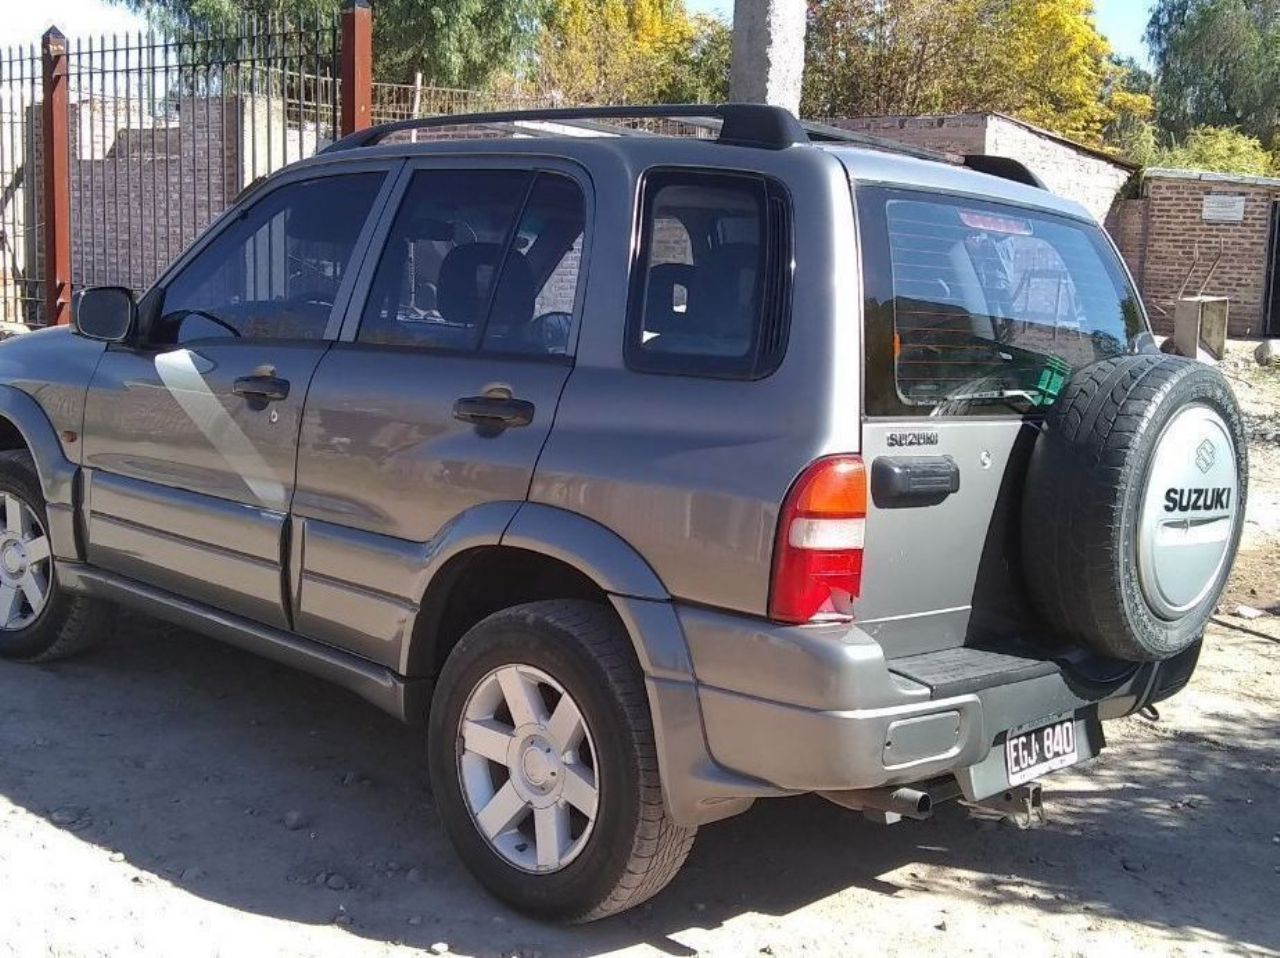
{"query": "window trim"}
pixel 870 216
pixel 780 275
pixel 533 166
pixel 249 198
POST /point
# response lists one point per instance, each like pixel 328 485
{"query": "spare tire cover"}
pixel 1134 505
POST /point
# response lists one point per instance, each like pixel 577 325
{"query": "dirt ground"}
pixel 144 791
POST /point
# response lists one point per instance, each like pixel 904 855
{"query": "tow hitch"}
pixel 1023 805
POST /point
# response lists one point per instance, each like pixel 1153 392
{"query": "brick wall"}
pixel 1127 224
pixel 960 133
pixel 1172 207
pixel 1070 171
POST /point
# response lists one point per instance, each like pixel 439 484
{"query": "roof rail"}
pixel 742 124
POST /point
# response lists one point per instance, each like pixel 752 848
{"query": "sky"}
pixel 1121 21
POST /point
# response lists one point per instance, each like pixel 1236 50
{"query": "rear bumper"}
pixel 773 710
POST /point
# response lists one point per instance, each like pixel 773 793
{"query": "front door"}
pixel 440 393
pixel 191 432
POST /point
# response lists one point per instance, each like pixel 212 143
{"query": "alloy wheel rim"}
pixel 24 565
pixel 528 768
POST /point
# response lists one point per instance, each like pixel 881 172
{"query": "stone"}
pixel 415 920
pixel 1268 352
pixel 1249 612
pixel 294 820
pixel 440 948
pixel 415 876
pixel 1132 865
pixel 336 882
pixel 116 857
pixel 67 816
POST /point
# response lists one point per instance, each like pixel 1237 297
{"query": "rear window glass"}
pixel 709 293
pixel 978 307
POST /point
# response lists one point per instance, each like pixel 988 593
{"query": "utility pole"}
pixel 768 52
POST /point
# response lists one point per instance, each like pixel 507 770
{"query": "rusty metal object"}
pixel 57 180
pixel 357 65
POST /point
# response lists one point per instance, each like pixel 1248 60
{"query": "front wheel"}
pixel 39 622
pixel 543 763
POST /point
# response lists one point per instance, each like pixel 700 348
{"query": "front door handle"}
pixel 261 388
pixel 494 411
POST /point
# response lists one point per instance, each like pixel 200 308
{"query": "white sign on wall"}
pixel 1223 208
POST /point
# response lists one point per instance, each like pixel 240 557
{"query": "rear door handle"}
pixel 493 411
pixel 262 388
pixel 903 482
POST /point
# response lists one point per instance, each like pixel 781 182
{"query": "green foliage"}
pixel 453 43
pixel 1218 64
pixel 1219 149
pixel 631 51
pixel 1041 60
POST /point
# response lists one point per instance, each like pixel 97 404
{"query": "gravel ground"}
pixel 167 794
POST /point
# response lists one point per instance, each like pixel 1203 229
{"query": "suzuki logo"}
pixel 1206 456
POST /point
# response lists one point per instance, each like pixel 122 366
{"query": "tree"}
pixel 1040 60
pixel 1220 149
pixel 1217 63
pixel 453 43
pixel 631 51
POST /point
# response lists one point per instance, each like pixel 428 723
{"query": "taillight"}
pixel 817 557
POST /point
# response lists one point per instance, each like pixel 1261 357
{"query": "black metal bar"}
pixel 128 164
pixel 745 124
pixel 8 186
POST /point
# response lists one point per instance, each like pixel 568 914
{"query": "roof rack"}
pixel 741 124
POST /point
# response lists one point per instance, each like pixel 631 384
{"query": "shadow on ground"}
pixel 185 756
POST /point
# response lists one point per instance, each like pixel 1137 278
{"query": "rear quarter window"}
pixel 980 307
pixel 710 287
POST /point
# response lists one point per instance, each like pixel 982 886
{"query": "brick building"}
pixel 1170 225
pixel 1090 177
pixel 1182 222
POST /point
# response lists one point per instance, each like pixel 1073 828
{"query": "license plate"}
pixel 1032 753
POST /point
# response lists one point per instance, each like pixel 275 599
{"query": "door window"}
pixel 978 307
pixel 273 273
pixel 479 259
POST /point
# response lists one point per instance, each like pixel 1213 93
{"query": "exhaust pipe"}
pixel 887 805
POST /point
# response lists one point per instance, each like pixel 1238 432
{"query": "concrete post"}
pixel 356 65
pixel 768 52
pixel 57 181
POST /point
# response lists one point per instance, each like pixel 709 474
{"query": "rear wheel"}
pixel 543 763
pixel 38 621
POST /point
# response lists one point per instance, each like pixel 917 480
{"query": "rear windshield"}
pixel 978 307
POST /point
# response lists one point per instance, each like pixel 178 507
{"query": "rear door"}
pixel 975 313
pixel 442 389
pixel 191 432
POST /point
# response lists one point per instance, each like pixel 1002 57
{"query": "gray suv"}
pixel 652 474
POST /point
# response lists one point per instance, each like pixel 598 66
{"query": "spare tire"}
pixel 1134 505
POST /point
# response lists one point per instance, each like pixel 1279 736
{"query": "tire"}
pixel 632 849
pixel 66 624
pixel 1107 546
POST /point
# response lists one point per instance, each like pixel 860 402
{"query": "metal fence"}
pixel 21 210
pixel 166 132
pixel 396 101
pixel 161 133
